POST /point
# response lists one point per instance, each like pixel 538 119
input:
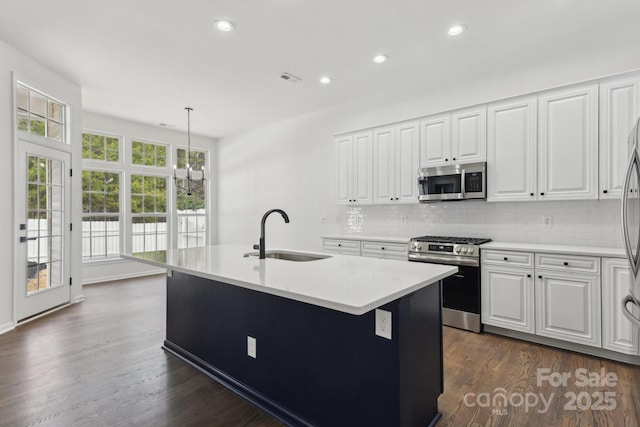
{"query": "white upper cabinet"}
pixel 458 137
pixel 395 163
pixel 568 144
pixel 511 150
pixel 435 141
pixel 619 109
pixel 354 168
pixel 469 135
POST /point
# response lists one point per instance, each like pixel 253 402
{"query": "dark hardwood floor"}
pixel 99 363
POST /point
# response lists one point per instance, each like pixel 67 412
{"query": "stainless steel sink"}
pixel 290 256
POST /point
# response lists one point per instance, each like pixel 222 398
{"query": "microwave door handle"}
pixel 462 184
pixel 625 310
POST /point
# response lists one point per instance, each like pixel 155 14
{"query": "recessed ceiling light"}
pixel 325 80
pixel 223 25
pixel 379 59
pixel 456 30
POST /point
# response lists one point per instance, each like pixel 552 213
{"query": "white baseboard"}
pixel 79 298
pixel 112 277
pixel 7 327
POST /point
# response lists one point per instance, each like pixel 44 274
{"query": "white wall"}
pixel 101 271
pixel 291 165
pixel 32 73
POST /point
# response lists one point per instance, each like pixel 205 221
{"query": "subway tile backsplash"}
pixel 584 223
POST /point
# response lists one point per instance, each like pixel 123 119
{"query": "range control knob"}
pixel 457 249
pixel 470 250
pixel 464 250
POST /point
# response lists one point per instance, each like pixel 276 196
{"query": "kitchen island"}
pixel 301 339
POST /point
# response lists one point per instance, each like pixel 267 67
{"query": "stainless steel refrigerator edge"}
pixel 631 227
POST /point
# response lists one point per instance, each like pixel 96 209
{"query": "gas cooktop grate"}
pixel 454 240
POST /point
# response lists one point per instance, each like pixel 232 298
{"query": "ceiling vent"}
pixel 290 78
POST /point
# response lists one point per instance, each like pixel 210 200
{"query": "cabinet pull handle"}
pixel 566 263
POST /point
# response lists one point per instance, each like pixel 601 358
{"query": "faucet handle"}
pixel 256 247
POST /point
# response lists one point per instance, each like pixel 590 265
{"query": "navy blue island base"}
pixel 314 366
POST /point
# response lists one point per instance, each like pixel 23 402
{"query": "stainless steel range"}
pixel 461 291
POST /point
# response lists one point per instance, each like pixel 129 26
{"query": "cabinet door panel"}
pixel 344 169
pixel 407 151
pixel 617 332
pixel 568 307
pixel 435 141
pixel 384 165
pixel 508 298
pixel 469 135
pixel 568 144
pixel 363 170
pixel 618 112
pixel 511 150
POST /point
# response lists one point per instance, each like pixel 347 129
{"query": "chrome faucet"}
pixel 264 219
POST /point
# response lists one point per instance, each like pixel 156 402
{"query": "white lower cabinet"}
pixel 342 247
pixel 550 295
pixel 507 298
pixel 384 250
pixel 617 332
pixel 568 306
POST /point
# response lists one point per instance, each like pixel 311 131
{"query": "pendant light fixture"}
pixel 194 178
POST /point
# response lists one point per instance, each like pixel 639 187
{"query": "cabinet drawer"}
pixel 341 246
pixel 379 248
pixel 510 258
pixel 568 263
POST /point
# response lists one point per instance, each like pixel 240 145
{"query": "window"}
pixel 148 154
pixel 39 115
pixel 100 214
pixel 148 213
pixel 191 210
pixel 100 147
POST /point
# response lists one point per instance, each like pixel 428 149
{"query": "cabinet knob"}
pixel 453 158
pixel 339 244
pixel 382 248
pixel 605 191
pixel 566 263
pixel 539 277
pixel 506 259
pixel 446 160
pixel 528 275
pixel 542 194
pixel 397 198
pixel 532 194
pixel 391 199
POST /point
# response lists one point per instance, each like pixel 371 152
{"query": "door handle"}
pixel 25 238
pixel 626 300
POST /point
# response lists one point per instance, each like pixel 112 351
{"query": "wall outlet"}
pixel 547 221
pixel 323 218
pixel 383 323
pixel 251 347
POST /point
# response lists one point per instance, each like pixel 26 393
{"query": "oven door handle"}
pixel 435 259
pixel 462 183
pixel 458 276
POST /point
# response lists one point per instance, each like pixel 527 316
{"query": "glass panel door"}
pixel 42 210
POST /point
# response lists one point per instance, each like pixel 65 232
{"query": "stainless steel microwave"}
pixel 453 182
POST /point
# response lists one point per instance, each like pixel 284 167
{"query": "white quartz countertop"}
pixel 368 238
pixel 344 283
pixel 556 249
